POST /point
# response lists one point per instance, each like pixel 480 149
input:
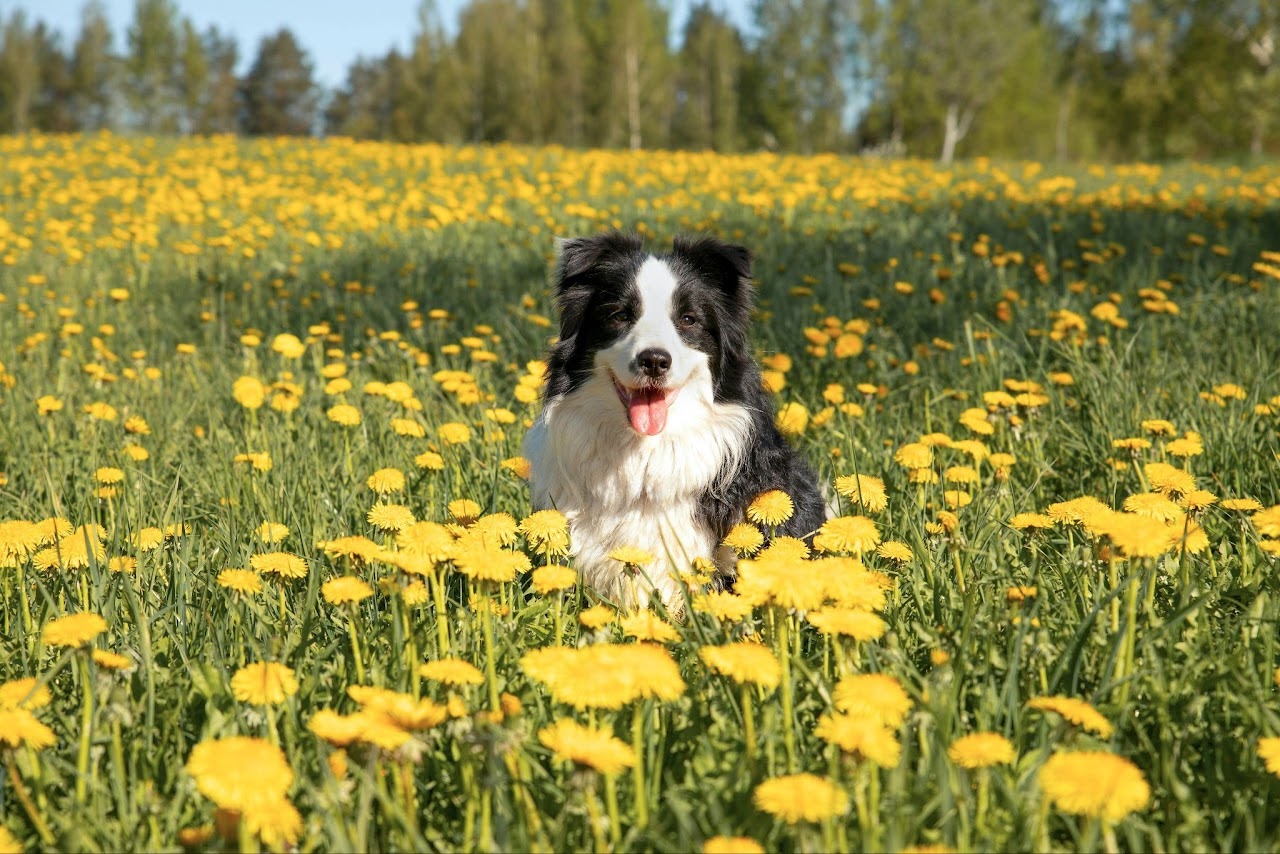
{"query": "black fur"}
pixel 594 283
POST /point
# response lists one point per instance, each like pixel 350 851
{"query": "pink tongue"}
pixel 647 410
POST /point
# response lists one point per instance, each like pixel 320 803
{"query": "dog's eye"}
pixel 687 320
pixel 620 316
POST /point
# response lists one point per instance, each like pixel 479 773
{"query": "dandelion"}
pixel 1269 752
pixel 915 455
pixel 732 845
pixel 874 695
pixel 547 532
pixel 282 564
pixel 771 508
pixel 464 510
pixel 596 617
pixel 451 671
pixel 76 630
pixel 390 517
pixel 854 623
pixel 454 433
pixel 587 746
pixel 244 581
pixel 20 728
pixel 801 797
pixel 895 551
pixel 744 538
pixel 865 490
pixel 26 693
pixel 1094 784
pixel 648 626
pixel 848 535
pixel 744 663
pixel 1074 711
pixel 239 771
pixel 553 578
pixel 344 590
pixel 271 532
pixel 631 556
pixel 982 750
pixel 344 414
pixel 384 481
pixel 264 683
pixel 862 737
pixel 110 660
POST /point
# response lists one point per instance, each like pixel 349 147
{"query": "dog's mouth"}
pixel 646 406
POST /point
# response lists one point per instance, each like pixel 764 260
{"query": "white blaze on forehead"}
pixel 656 284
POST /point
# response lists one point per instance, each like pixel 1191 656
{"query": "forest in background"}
pixel 1039 79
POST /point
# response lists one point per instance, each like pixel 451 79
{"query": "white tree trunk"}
pixel 632 60
pixel 956 126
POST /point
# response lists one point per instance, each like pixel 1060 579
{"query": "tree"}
pixel 221 112
pixel 193 77
pixel 19 74
pixel 492 51
pixel 94 69
pixel 710 63
pixel 151 67
pixel 279 92
pixel 803 55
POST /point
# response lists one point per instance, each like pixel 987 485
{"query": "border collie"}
pixel 656 431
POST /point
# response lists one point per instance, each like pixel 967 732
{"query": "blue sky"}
pixel 334 33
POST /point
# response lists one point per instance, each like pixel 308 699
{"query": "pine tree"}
pixel 94 70
pixel 221 113
pixel 279 93
pixel 193 78
pixel 19 74
pixel 707 82
pixel 151 67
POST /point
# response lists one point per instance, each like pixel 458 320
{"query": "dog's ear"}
pixel 578 258
pixel 726 265
pixel 580 255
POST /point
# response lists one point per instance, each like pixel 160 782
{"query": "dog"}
pixel 655 429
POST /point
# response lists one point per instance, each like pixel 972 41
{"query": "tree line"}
pixel 1044 79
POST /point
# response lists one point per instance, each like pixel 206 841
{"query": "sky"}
pixel 334 33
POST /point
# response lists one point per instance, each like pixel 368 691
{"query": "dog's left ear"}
pixel 726 265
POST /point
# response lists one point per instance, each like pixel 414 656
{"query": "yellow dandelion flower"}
pixel 75 630
pixel 238 771
pixel 631 556
pixel 454 433
pixel 464 510
pixel 619 674
pixel 451 671
pixel 801 797
pixel 874 695
pixel 982 750
pixel 648 626
pixel 1168 479
pixel 747 663
pixel 25 693
pixel 594 748
pixel 111 660
pixel 386 480
pixel 18 728
pixel 862 737
pixel 771 508
pixel 1269 752
pixel 723 605
pixel 895 551
pixel 429 461
pixel 1075 711
pixel 596 617
pixel 1267 522
pixel 271 532
pixel 744 538
pixel 864 490
pixel 240 580
pixel 848 535
pixel 282 564
pixel 264 683
pixel 390 517
pixel 547 532
pixel 345 589
pixel 915 455
pixel 1094 784
pixel 850 622
pixel 732 845
pixel 344 414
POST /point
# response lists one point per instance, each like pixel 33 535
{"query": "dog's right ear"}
pixel 578 258
pixel 580 255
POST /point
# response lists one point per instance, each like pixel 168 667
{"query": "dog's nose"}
pixel 654 362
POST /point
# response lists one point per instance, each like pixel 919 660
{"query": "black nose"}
pixel 654 362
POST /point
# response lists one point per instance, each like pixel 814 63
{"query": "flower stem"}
pixel 355 646
pixel 748 724
pixel 490 667
pixel 46 835
pixel 442 624
pixel 640 794
pixel 86 729
pixel 788 713
pixel 611 802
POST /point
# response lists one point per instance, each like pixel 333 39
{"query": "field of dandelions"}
pixel 270 579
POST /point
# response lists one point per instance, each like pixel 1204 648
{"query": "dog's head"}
pixel 652 325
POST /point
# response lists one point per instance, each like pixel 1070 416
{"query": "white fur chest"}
pixel 619 488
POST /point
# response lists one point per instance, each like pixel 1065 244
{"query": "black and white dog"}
pixel 655 430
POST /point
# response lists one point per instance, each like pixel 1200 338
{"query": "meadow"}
pixel 271 579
